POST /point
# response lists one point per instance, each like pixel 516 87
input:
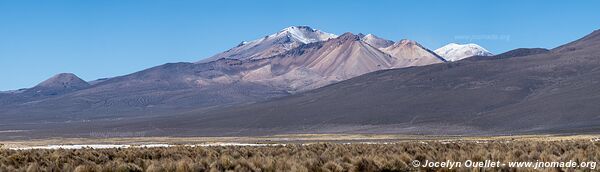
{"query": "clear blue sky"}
pixel 105 38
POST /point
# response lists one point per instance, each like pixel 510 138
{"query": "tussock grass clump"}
pixel 315 157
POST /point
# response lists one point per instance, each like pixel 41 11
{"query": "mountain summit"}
pixel 304 34
pixel 375 41
pixel 274 44
pixel 410 53
pixel 455 52
pixel 58 84
pixel 63 80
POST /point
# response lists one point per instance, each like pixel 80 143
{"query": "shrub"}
pixel 314 157
pixel 128 167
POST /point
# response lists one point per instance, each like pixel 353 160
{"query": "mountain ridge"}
pixel 341 85
pixel 174 87
pixel 529 94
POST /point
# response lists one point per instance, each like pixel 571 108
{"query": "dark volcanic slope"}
pixel 519 52
pixel 557 91
pixel 161 90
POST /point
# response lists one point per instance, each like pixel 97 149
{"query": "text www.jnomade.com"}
pixel 496 164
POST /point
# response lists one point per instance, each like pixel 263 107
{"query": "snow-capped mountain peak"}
pixel 305 34
pixel 277 43
pixel 455 52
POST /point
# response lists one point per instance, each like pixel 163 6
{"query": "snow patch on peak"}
pixel 274 44
pixel 297 28
pixel 455 52
pixel 371 36
pixel 304 34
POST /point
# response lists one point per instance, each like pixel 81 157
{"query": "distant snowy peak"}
pixel 274 44
pixel 375 41
pixel 455 52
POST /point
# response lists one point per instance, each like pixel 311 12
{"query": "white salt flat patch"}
pixel 238 144
pixel 12 131
pixel 72 147
pixel 112 146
